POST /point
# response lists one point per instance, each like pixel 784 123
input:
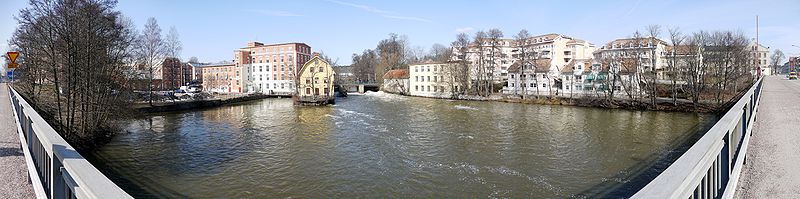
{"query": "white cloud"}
pixel 464 29
pixel 277 13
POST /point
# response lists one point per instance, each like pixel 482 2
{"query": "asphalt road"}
pixel 772 168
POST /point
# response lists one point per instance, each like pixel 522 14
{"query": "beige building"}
pixel 433 79
pixel 761 58
pixel 315 82
pixel 218 77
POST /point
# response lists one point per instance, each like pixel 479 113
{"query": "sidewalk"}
pixel 772 167
pixel 13 171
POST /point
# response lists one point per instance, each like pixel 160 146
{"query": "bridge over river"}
pixel 379 144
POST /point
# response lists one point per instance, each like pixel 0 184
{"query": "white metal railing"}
pixel 711 167
pixel 55 169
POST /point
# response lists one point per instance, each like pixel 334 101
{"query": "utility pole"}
pixel 758 67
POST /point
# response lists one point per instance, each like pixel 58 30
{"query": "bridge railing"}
pixel 711 167
pixel 55 169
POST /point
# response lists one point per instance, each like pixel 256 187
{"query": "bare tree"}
pixel 461 69
pixel 392 54
pixel 495 37
pixel 172 49
pixel 151 52
pixel 653 32
pixel 73 57
pixel 439 53
pixel 523 54
pixel 674 62
pixel 480 41
pixel 776 58
pixel 697 69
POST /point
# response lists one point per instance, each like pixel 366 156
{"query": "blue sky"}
pixel 211 30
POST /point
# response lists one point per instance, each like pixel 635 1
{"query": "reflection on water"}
pixel 379 144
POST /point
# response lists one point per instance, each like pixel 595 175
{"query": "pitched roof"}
pixel 628 41
pixel 542 66
pixel 396 74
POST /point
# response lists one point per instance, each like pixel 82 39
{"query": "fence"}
pixel 55 169
pixel 711 167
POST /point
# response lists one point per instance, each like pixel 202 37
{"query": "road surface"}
pixel 772 168
pixel 13 171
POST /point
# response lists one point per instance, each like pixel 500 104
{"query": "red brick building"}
pixel 175 74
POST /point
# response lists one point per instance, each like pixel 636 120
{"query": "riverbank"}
pixel 663 104
pixel 159 107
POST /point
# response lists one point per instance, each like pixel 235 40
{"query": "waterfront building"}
pixel 546 58
pixel 197 72
pixel 536 79
pixel 396 81
pixel 315 82
pixel 495 72
pixel 573 75
pixel 761 57
pixel 218 77
pixel 434 79
pixel 270 68
pixel 174 74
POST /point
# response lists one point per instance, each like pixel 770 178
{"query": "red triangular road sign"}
pixel 13 56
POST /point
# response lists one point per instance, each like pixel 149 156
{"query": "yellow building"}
pixel 315 85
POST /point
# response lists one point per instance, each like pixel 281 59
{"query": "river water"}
pixel 380 145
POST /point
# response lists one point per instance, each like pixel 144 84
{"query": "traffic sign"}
pixel 13 56
pixel 12 65
pixel 10 75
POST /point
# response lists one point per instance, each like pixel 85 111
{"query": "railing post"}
pixel 57 178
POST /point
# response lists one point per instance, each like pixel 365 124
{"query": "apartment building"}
pixel 433 79
pixel 494 68
pixel 174 74
pixel 545 57
pixel 197 72
pixel 270 68
pixel 218 77
pixel 761 57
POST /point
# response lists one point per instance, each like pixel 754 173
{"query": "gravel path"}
pixel 772 168
pixel 13 171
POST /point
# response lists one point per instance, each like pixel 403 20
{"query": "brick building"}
pixel 270 68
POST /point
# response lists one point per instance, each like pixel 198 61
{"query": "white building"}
pixel 761 58
pixel 433 79
pixel 546 56
pixel 269 68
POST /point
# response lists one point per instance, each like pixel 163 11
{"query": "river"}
pixel 379 145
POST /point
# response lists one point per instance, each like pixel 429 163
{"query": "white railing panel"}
pixel 685 176
pixel 67 171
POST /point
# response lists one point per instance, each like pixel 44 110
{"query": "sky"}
pixel 212 30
